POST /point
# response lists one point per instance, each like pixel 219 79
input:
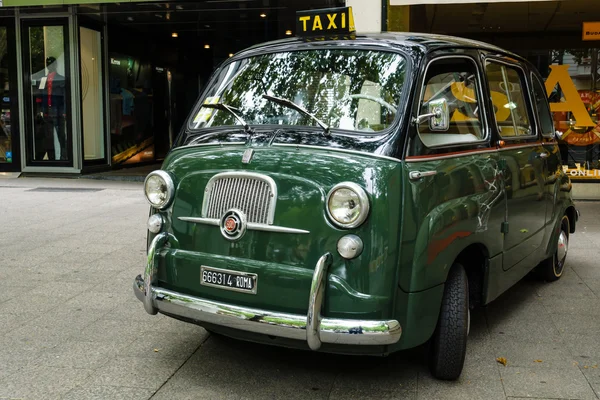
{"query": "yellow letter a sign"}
pixel 572 103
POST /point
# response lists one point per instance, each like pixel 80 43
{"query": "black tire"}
pixel 553 268
pixel 449 341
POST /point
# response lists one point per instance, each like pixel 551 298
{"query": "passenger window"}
pixel 543 107
pixel 455 80
pixel 508 98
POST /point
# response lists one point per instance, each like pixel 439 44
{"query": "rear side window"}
pixel 543 108
pixel 508 98
pixel 456 80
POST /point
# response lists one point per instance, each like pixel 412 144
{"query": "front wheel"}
pixel 449 341
pixel 552 268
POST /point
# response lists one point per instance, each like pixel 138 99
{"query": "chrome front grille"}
pixel 253 194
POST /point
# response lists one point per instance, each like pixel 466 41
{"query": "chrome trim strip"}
pixel 445 156
pixel 205 221
pixel 360 153
pixel 291 326
pixel 315 302
pixel 274 228
pixel 242 175
pixel 253 226
pixel 215 144
pixel 516 147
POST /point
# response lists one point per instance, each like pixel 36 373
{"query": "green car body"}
pixel 495 207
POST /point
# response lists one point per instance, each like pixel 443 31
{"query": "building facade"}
pixel 561 38
pixel 88 86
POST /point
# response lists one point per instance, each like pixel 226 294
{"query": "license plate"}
pixel 230 280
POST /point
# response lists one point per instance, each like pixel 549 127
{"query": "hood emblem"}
pixel 247 157
pixel 233 224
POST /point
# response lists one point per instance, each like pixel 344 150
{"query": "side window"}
pixel 508 98
pixel 456 81
pixel 543 107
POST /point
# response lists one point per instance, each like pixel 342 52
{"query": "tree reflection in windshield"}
pixel 355 90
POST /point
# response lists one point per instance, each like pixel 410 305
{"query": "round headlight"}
pixel 347 205
pixel 159 189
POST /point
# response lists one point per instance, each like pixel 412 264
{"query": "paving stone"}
pixel 136 372
pixel 576 324
pixel 553 354
pixel 108 392
pixel 567 383
pixel 590 367
pixel 583 345
pixel 74 354
pixel 243 369
pixel 479 380
pixel 165 345
pixel 377 379
pixel 38 382
pixel 572 306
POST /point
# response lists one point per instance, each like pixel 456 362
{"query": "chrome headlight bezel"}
pixel 169 188
pixel 362 197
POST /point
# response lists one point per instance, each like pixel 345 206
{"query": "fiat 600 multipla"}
pixel 357 194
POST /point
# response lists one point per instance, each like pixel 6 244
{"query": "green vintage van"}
pixel 358 195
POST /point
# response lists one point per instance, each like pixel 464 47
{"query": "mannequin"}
pixel 52 109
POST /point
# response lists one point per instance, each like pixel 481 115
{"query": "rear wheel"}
pixel 552 268
pixel 449 341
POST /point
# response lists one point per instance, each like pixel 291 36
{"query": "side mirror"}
pixel 438 115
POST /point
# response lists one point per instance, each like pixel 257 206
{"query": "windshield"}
pixel 357 90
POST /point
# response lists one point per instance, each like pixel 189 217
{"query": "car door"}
pixel 553 158
pixel 522 157
pixel 453 191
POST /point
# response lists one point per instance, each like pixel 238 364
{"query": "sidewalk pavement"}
pixel 71 327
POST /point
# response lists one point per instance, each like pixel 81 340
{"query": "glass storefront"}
pixel 6 139
pixel 92 94
pixel 570 79
pixel 47 93
pixel 131 105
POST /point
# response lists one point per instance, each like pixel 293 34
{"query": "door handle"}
pixel 414 175
pixel 544 155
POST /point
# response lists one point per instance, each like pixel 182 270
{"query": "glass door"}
pixel 9 130
pixel 92 95
pixel 47 88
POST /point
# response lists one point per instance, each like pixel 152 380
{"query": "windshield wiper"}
pixel 290 104
pixel 230 110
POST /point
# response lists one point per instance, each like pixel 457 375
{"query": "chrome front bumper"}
pixel 312 328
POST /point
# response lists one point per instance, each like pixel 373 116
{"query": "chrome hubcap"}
pixel 563 247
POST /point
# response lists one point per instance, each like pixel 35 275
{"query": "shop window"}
pixel 131 115
pixel 6 155
pixel 455 81
pixel 508 98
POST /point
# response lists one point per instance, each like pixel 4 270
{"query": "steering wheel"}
pixel 379 100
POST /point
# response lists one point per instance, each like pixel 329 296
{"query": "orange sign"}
pixel 591 31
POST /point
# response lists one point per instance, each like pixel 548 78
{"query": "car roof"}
pixel 426 42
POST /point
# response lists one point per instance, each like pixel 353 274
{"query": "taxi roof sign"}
pixel 325 22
